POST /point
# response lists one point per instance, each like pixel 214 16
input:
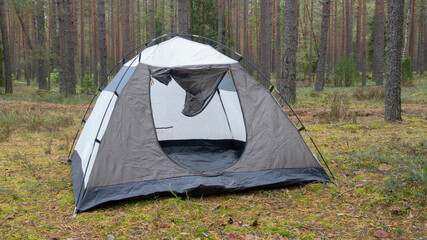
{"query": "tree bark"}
pixel 82 39
pixel 40 46
pixel 183 16
pixel 290 45
pixel 67 85
pixel 421 39
pixel 172 14
pixel 53 34
pixel 404 54
pixel 320 74
pixel 94 43
pixel 126 31
pixel 357 52
pixel 393 109
pixel 6 52
pixel 102 44
pixel 412 37
pixel 152 21
pixel 310 68
pixel 363 54
pixel 378 55
pixel 265 36
pixel 348 30
pixel 278 52
pixel 219 24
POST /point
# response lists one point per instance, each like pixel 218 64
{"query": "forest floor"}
pixel 380 171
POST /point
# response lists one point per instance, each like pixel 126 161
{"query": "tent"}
pixel 182 117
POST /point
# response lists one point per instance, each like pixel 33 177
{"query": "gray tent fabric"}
pixel 200 83
pixel 119 154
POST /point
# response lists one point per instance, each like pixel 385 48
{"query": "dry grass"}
pixel 36 197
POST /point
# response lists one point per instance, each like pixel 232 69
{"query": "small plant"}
pixel 407 76
pixel 375 93
pixel 338 110
pixel 5 132
pixel 87 85
pixel 346 73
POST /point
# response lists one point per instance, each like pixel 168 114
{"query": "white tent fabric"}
pixel 214 122
pixel 179 52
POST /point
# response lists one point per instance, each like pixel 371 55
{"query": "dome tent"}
pixel 182 117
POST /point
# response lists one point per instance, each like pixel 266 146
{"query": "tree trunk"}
pixel 404 54
pixel 172 14
pixel 102 44
pixel 94 44
pixel 378 55
pixel 152 21
pixel 53 35
pixel 40 46
pixel 421 39
pixel 290 46
pixel 393 109
pixel 348 30
pixel 342 51
pixel 363 54
pixel 118 34
pixel 82 39
pixel 278 61
pixel 237 26
pixel 6 52
pixel 126 31
pixel 310 68
pixel 357 52
pixel 412 36
pixel 265 36
pixel 320 74
pixel 183 16
pixel 219 23
pixel 67 83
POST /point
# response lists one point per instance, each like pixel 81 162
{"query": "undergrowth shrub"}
pixel 33 120
pixel 87 85
pixel 407 76
pixel 338 110
pixel 346 73
pixel 374 93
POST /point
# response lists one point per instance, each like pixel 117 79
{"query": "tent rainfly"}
pixel 182 117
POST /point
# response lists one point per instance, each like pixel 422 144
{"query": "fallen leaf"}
pixel 230 221
pixel 359 172
pixel 111 237
pixel 231 236
pixel 395 209
pixel 383 168
pixel 1 222
pixel 380 234
pixel 54 236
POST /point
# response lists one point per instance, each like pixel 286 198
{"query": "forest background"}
pixel 332 60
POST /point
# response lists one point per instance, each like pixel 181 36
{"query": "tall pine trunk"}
pixel 348 30
pixel 40 46
pixel 393 108
pixel 290 46
pixel 152 21
pixel 67 85
pixel 82 39
pixel 357 52
pixel 363 47
pixel 102 43
pixel 421 40
pixel 320 73
pixel 126 31
pixel 265 36
pixel 6 51
pixel 183 16
pixel 378 56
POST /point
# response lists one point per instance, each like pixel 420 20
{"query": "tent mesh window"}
pixel 200 130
